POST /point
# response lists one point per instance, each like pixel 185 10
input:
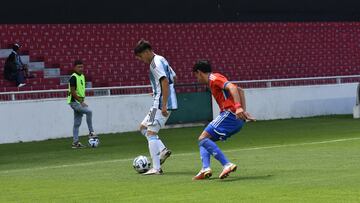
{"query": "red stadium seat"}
pixel 243 51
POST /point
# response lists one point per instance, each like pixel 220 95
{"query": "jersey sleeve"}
pixel 159 69
pixel 173 74
pixel 72 81
pixel 220 82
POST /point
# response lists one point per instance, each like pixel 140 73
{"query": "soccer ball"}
pixel 141 164
pixel 94 142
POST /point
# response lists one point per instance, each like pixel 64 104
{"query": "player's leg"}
pixel 155 122
pixel 77 123
pixel 205 158
pixel 220 128
pixel 153 143
pixel 88 112
pixel 164 152
pixel 143 124
pixel 143 131
pixel 205 141
pixel 205 171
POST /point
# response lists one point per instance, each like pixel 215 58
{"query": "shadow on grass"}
pixel 231 179
pixel 176 173
pixel 215 178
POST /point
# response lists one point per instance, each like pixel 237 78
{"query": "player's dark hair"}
pixel 203 66
pixel 141 46
pixel 78 62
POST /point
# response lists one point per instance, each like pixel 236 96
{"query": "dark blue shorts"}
pixel 225 125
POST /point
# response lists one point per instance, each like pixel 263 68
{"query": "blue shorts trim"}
pixel 224 126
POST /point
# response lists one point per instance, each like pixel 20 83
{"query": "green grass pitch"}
pixel 297 160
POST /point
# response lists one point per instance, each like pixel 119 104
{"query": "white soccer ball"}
pixel 141 164
pixel 94 142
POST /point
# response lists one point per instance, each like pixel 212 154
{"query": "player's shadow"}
pixel 177 173
pixel 242 178
pixel 214 178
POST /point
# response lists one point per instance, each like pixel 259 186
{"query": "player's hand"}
pixel 243 115
pixel 240 114
pixel 83 104
pixel 164 111
pixel 249 117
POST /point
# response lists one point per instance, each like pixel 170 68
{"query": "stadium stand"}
pixel 243 51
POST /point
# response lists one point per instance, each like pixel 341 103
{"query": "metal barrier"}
pixel 99 91
pixel 299 81
pixel 193 87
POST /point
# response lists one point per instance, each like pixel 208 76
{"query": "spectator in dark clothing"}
pixel 12 73
pixel 19 64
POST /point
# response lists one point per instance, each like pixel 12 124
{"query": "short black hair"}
pixel 203 66
pixel 141 46
pixel 78 62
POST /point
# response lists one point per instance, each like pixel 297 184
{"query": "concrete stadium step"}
pixel 33 66
pixel 25 59
pixel 64 79
pixel 38 73
pixel 51 72
pixel 4 53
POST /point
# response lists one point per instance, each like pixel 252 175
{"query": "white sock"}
pixel 154 151
pixel 160 143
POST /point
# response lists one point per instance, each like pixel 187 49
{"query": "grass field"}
pixel 297 160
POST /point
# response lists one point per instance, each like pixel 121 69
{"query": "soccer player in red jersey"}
pixel 233 115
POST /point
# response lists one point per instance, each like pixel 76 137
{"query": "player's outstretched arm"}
pixel 242 98
pixel 239 99
pixel 243 104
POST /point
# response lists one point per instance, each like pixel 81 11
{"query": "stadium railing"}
pixel 193 87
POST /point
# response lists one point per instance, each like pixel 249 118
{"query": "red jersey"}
pixel 217 83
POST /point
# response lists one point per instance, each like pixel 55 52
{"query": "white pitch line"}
pixel 182 154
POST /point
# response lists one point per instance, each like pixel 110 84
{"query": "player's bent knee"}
pixel 154 128
pixel 142 127
pixel 151 136
pixel 204 135
pixel 151 133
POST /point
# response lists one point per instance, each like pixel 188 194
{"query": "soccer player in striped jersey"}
pixel 162 78
pixel 233 115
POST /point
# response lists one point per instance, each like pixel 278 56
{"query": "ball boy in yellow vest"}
pixel 76 98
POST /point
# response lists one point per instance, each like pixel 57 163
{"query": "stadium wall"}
pixel 49 119
pixel 188 111
pixel 299 101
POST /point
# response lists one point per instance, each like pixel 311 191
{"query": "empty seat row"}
pixel 242 51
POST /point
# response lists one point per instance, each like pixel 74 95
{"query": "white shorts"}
pixel 154 120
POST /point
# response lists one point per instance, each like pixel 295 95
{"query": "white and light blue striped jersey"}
pixel 159 67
